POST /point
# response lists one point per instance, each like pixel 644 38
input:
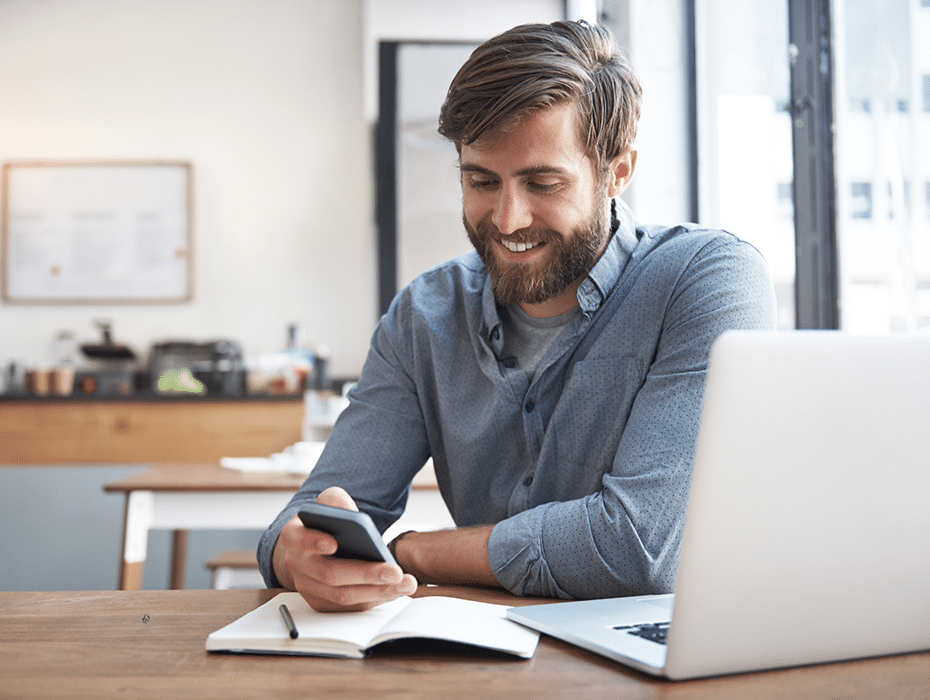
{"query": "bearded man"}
pixel 554 375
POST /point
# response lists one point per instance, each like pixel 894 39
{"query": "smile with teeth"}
pixel 518 247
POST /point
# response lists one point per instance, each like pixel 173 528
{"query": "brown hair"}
pixel 535 66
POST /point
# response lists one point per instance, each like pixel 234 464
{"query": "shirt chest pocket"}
pixel 594 407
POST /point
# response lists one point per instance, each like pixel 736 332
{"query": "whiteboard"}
pixel 97 232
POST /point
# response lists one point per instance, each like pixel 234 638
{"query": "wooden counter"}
pixel 156 430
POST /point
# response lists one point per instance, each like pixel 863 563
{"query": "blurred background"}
pixel 312 186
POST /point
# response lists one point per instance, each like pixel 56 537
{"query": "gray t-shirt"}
pixel 527 339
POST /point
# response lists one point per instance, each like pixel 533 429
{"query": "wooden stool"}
pixel 235 568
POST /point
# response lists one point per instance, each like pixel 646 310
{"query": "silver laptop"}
pixel 807 537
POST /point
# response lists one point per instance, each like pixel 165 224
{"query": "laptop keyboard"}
pixel 655 632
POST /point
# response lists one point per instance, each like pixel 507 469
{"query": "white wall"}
pixel 273 102
pixel 265 99
pixel 476 20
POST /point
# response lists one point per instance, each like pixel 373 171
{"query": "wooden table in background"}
pixel 150 644
pixel 152 431
pixel 191 497
pixel 186 497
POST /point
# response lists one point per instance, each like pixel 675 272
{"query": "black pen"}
pixel 288 621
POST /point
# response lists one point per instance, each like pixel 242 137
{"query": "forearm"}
pixel 455 557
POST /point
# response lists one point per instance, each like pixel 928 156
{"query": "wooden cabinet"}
pixel 45 431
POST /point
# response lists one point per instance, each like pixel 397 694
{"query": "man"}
pixel 555 375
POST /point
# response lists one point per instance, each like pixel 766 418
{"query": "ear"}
pixel 621 172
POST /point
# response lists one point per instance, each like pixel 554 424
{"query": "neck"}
pixel 564 301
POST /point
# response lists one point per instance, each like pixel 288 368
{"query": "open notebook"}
pixel 807 537
pixel 266 630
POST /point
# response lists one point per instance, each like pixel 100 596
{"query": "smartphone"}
pixel 355 533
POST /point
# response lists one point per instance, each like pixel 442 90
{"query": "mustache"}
pixel 488 231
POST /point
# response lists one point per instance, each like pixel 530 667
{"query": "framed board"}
pixel 97 233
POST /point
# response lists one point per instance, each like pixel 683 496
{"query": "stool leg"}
pixel 178 558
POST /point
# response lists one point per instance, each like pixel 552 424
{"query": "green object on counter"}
pixel 180 381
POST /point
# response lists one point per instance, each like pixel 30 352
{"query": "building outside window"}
pixel 882 57
pixel 744 131
pixel 881 107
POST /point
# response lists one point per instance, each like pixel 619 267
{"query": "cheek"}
pixel 473 212
pixel 472 203
pixel 557 215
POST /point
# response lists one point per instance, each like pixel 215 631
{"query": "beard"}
pixel 540 280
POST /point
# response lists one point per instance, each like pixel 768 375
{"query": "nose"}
pixel 511 211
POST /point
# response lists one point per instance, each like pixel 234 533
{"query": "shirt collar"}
pixel 606 271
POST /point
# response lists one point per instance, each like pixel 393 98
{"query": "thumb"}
pixel 337 497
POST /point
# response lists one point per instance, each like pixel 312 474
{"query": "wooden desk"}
pixel 208 496
pixel 150 644
pixel 158 430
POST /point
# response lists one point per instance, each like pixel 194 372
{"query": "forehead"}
pixel 546 138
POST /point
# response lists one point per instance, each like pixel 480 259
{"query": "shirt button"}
pixel 527 481
pixel 529 406
pixel 510 362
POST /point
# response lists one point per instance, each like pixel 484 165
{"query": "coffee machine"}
pixel 107 368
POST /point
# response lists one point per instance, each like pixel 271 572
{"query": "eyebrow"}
pixel 532 170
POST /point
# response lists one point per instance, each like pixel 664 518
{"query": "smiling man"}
pixel 555 375
pixel 539 209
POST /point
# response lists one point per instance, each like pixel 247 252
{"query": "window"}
pixel 785 202
pixel 882 241
pixel 861 203
pixel 809 154
pixel 744 128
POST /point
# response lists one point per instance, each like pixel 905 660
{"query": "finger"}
pixel 318 542
pixel 337 497
pixel 373 581
pixel 337 571
pixel 295 536
pixel 308 552
pixel 324 598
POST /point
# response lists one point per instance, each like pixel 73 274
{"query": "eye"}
pixel 480 183
pixel 542 187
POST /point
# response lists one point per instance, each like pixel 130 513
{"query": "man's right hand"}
pixel 303 562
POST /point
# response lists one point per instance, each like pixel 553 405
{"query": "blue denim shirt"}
pixel 585 470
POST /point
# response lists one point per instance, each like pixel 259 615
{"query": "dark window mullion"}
pixel 817 272
pixel 385 173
